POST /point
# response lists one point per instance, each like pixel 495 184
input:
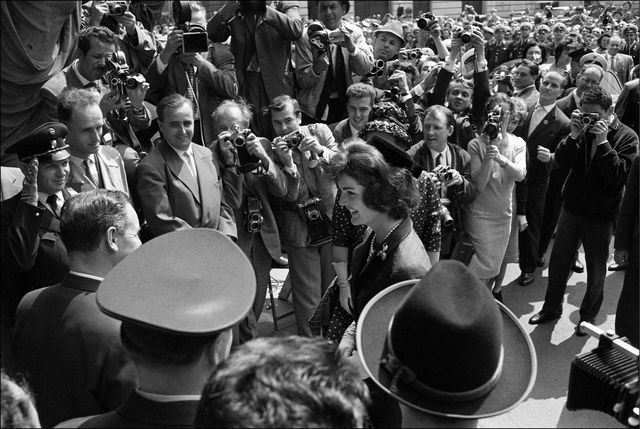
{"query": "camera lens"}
pixel 239 141
pixel 465 37
pixel 423 23
pixel 314 215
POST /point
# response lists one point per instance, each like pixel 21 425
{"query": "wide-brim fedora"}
pixel 519 364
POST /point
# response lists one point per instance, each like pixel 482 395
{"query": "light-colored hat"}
pixel 394 27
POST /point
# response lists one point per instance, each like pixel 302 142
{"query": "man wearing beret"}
pixel 69 350
pixel 31 252
pixel 93 165
pixel 176 323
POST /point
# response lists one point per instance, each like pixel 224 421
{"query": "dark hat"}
pixel 188 282
pixel 47 143
pixel 444 346
pixel 394 27
pixel 388 110
pixel 391 140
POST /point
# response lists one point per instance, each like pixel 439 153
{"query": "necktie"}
pixel 188 157
pixel 52 200
pixel 537 116
pixel 91 171
pixel 191 85
pixel 340 79
pixel 612 57
pixel 438 160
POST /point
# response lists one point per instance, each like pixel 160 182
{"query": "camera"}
pixel 246 161
pixel 293 139
pixel 465 36
pixel 426 21
pixel 493 126
pixel 194 37
pixel 392 94
pixel 377 69
pixel 320 37
pixel 412 54
pixel 117 8
pixel 443 174
pixel 589 118
pixel 317 226
pixel 252 214
pixel 118 77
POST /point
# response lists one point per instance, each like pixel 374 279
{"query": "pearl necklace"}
pixel 383 251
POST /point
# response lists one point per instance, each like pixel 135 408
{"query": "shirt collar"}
pixel 548 108
pixel 445 154
pixel 158 397
pixel 42 197
pixel 524 89
pixel 182 153
pixel 83 80
pixel 354 132
pixel 87 276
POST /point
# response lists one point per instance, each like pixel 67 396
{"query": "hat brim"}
pixel 518 372
pixel 375 34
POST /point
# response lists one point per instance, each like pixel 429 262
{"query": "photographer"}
pixel 257 229
pixel 323 75
pixel 459 94
pixel 434 151
pixel 137 43
pixel 261 37
pixel 204 77
pixel 599 151
pixel 305 216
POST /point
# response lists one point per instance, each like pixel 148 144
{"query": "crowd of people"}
pixel 396 165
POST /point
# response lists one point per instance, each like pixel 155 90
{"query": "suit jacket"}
pixel 140 412
pixel 622 67
pixel 71 351
pixel 171 199
pixel 216 81
pixel 310 84
pixel 405 259
pixel 341 130
pixel 530 96
pixel 32 253
pixel 111 169
pixel 273 184
pixel 274 33
pixel 567 105
pixel 627 105
pixel 549 133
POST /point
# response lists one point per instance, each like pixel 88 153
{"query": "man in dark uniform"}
pixel 177 299
pixel 31 252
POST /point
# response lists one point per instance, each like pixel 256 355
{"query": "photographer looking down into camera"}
pixel 262 179
pixel 599 151
pixel 191 66
pixel 305 216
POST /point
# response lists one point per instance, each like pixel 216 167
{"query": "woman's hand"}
pixel 345 298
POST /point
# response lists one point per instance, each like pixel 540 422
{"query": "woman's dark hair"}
pixel 602 36
pixel 387 189
pixel 557 52
pixel 543 51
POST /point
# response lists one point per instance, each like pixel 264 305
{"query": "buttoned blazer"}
pixel 549 133
pixel 623 66
pixel 171 199
pixel 71 351
pixel 405 259
pixel 140 412
pixel 112 173
pixel 274 33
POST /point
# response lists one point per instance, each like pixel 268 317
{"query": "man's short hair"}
pixel 86 217
pixel 281 102
pixel 101 33
pixel 238 103
pixel 172 101
pixel 361 90
pixel 159 348
pixel 437 108
pixel 533 67
pixel 284 382
pixel 596 95
pixel 73 99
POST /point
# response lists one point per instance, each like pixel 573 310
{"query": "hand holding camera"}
pixel 226 149
pixel 282 149
pixel 98 11
pixel 399 78
pixel 311 144
pixel 174 42
pixel 246 161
